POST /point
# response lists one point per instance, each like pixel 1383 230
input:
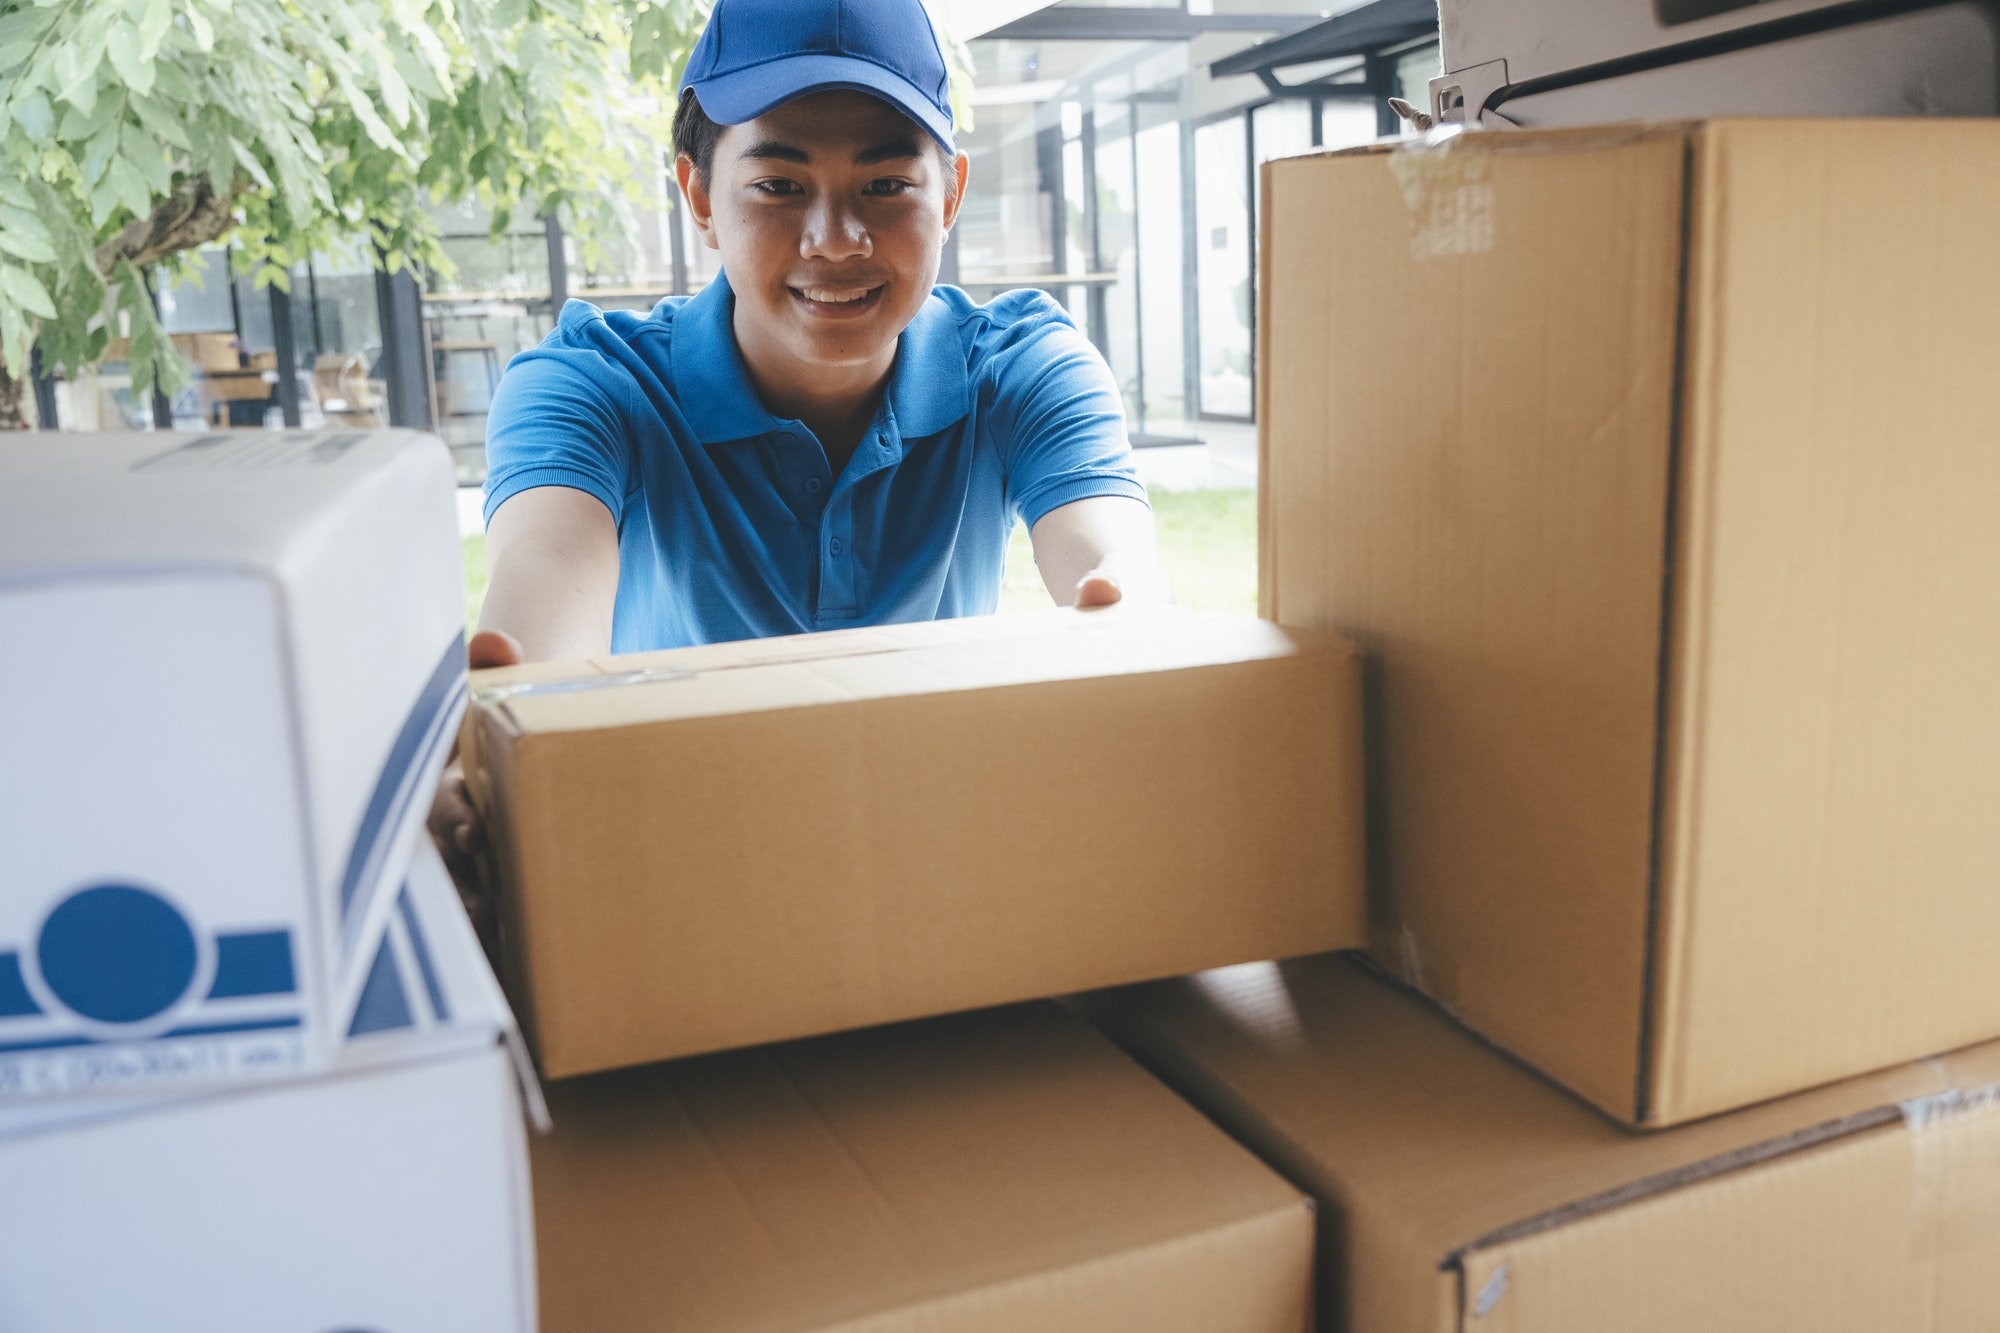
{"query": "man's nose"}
pixel 834 232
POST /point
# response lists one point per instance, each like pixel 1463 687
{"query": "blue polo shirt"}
pixel 730 523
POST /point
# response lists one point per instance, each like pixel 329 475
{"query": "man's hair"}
pixel 696 135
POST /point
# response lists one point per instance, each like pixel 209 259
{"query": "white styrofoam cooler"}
pixel 231 668
pixel 389 1194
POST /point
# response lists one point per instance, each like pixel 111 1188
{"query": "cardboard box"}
pixel 389 1194
pixel 1003 1170
pixel 1459 1191
pixel 210 351
pixel 234 666
pixel 1653 469
pixel 747 842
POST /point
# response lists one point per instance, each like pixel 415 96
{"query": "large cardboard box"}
pixel 233 667
pixel 985 1173
pixel 743 843
pixel 1460 1192
pixel 391 1193
pixel 1654 470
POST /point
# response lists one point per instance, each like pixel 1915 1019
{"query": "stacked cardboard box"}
pixel 708 849
pixel 388 1192
pixel 234 667
pixel 1460 1191
pixel 1652 468
pixel 254 1071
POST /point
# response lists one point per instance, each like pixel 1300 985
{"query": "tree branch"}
pixel 192 216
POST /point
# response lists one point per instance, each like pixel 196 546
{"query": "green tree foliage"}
pixel 133 131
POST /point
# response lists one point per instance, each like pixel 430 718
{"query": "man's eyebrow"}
pixel 772 149
pixel 892 150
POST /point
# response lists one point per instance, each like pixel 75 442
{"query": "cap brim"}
pixel 745 94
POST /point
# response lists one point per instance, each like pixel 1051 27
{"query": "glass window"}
pixel 1160 271
pixel 1222 262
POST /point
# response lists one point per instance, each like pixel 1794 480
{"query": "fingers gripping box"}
pixel 230 669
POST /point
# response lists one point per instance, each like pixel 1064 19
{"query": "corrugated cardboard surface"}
pixel 1461 1192
pixel 1833 761
pixel 1004 1170
pixel 807 835
pixel 1594 437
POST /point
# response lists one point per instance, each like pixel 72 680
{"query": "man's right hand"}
pixel 454 823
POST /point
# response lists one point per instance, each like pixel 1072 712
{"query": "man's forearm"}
pixel 552 574
pixel 1107 536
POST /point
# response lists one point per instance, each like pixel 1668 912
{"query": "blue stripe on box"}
pixel 198 1030
pixel 404 755
pixel 15 1002
pixel 439 1010
pixel 257 963
pixel 248 1025
pixel 382 1006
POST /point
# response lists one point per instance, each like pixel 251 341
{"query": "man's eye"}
pixel 777 186
pixel 888 185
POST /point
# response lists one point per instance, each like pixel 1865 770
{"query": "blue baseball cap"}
pixel 758 54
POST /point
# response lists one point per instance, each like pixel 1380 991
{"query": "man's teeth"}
pixel 835 296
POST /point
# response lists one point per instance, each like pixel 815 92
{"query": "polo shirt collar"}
pixel 929 383
pixel 927 386
pixel 711 387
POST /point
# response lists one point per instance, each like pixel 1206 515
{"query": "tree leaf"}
pixel 25 290
pixel 198 24
pixel 145 154
pixel 36 116
pixel 27 247
pixel 153 28
pixel 133 66
pixel 97 156
pixel 161 124
pixel 131 187
pixel 103 202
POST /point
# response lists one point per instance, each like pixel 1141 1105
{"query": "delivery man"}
pixel 820 438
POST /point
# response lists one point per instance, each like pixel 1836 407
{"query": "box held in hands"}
pixel 723 846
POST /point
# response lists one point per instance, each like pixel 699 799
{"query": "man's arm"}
pixel 1098 551
pixel 552 562
pixel 552 578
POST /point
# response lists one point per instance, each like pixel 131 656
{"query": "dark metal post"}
pixel 558 265
pixel 163 410
pixel 1049 182
pixel 45 392
pixel 288 355
pixel 1318 123
pixel 406 363
pixel 1096 294
pixel 1380 73
pixel 312 296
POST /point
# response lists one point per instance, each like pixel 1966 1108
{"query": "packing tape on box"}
pixel 1954 1139
pixel 495 697
pixel 1447 193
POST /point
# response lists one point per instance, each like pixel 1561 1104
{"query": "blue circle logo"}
pixel 117 954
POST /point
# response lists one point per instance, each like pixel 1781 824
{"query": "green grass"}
pixel 1208 544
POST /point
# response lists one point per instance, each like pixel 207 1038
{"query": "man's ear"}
pixel 694 192
pixel 961 169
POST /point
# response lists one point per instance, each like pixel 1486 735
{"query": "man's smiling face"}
pixel 829 212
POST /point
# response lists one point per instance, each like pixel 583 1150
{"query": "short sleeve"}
pixel 1055 416
pixel 556 421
